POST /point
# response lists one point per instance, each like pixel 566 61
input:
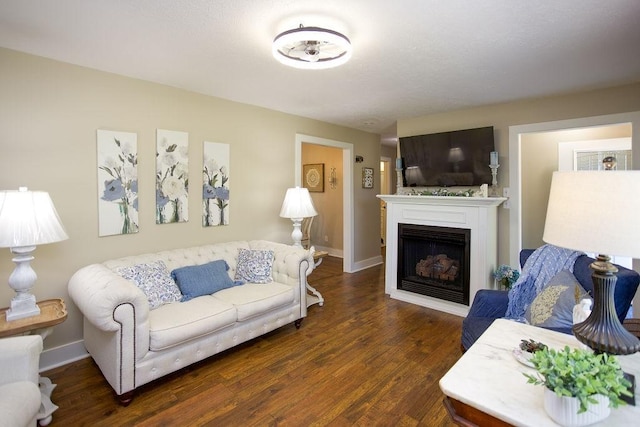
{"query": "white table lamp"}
pixel 297 205
pixel 599 212
pixel 27 219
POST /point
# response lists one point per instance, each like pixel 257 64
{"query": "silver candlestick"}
pixel 494 181
pixel 399 181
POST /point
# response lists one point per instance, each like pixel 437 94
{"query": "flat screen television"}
pixel 447 159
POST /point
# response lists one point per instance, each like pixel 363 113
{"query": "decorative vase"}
pixel 564 410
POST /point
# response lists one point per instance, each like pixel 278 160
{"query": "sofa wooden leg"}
pixel 126 398
pixel 298 323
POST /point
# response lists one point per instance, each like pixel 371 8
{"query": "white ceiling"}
pixel 411 57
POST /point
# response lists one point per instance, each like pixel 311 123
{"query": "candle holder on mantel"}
pixel 493 192
pixel 399 181
pixel 399 176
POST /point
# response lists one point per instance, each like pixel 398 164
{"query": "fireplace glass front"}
pixel 434 261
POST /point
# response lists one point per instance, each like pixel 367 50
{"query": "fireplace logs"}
pixel 438 267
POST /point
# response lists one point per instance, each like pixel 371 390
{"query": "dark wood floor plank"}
pixel 360 360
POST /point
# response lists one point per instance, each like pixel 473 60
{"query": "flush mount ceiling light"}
pixel 311 48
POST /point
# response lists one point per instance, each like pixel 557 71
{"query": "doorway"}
pixel 517 134
pixel 597 155
pixel 385 188
pixel 326 233
pixel 347 192
pixel 544 152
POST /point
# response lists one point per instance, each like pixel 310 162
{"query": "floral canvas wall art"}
pixel 117 182
pixel 215 185
pixel 172 176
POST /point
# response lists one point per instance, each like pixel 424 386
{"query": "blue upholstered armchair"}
pixel 489 305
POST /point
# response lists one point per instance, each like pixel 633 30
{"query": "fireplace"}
pixel 434 261
pixel 475 215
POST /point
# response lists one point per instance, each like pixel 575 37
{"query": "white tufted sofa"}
pixel 133 345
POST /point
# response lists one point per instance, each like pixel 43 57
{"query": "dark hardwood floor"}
pixel 362 359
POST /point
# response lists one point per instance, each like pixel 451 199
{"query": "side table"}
pixel 52 312
pixel 486 385
pixel 316 297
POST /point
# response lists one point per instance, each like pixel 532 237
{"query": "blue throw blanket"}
pixel 544 263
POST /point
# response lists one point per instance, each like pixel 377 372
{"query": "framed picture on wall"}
pixel 367 177
pixel 313 177
pixel 117 182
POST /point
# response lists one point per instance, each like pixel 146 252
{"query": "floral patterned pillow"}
pixel 254 266
pixel 553 306
pixel 155 281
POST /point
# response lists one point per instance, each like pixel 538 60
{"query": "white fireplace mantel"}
pixel 478 214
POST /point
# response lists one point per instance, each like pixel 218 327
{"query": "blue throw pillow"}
pixel 206 279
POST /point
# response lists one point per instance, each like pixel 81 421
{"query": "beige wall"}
pixel 390 152
pixel 585 104
pixel 49 114
pixel 539 152
pixel 327 227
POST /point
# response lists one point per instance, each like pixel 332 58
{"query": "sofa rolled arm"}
pixel 287 261
pixel 489 303
pixel 20 358
pixel 98 292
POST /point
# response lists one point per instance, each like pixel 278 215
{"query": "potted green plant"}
pixel 580 386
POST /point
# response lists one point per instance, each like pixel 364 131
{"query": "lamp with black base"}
pixel 598 212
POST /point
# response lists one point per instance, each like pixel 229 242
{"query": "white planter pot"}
pixel 564 410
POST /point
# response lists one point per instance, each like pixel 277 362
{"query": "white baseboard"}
pixel 367 263
pixel 358 266
pixel 331 251
pixel 429 302
pixel 62 355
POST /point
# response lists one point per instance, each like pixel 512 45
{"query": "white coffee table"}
pixel 487 385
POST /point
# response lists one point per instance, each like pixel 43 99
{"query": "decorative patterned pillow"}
pixel 206 279
pixel 254 266
pixel 553 306
pixel 154 280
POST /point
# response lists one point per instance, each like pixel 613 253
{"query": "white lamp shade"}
pixel 414 176
pixel 28 218
pixel 297 204
pixel 456 154
pixel 595 211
